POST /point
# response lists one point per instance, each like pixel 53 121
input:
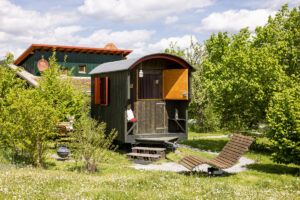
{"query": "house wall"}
pixel 74 59
pixel 29 64
pixel 113 114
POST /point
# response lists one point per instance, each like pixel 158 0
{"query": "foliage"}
pixel 90 142
pixel 241 72
pixel 26 120
pixel 240 78
pixel 282 36
pixel 284 121
pixel 60 93
pixel 8 84
pixel 199 108
pixel 29 123
pixel 29 116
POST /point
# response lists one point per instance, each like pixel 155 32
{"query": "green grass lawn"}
pixel 116 180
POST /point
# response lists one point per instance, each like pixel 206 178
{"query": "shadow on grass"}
pixel 214 145
pixel 275 169
pixel 49 165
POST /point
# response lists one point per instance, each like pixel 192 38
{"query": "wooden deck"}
pixel 156 140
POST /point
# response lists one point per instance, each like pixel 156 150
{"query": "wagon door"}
pixel 175 84
pixel 150 104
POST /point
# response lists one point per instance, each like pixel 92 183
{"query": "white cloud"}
pixel 171 19
pixel 141 10
pixel 122 39
pixel 20 27
pixel 233 20
pixel 182 42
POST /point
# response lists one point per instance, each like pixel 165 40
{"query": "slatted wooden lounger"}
pixel 229 155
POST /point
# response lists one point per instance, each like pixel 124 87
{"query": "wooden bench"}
pixel 229 155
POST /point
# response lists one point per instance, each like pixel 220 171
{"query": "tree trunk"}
pixel 200 114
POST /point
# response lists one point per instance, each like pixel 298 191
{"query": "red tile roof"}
pixel 105 50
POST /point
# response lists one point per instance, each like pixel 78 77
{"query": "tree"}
pixel 282 36
pixel 90 142
pixel 29 116
pixel 29 124
pixel 60 93
pixel 240 78
pixel 284 122
pixel 194 55
pixel 8 84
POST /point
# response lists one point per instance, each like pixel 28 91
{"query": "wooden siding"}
pixel 155 117
pixel 114 113
pixel 152 116
pixel 29 64
pixel 74 59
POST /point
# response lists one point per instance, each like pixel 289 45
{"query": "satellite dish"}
pixel 42 65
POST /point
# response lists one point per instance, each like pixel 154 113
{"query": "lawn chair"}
pixel 229 155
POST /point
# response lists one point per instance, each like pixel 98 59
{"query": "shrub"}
pixel 90 143
pixel 284 120
pixel 60 93
pixel 29 124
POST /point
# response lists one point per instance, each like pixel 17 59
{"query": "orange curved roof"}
pixel 47 47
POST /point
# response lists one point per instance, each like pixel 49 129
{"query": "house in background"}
pixel 81 59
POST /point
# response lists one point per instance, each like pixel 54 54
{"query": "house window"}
pixel 101 91
pixel 82 69
pixel 150 85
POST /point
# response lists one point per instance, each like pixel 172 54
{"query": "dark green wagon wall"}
pixel 114 115
pixel 74 59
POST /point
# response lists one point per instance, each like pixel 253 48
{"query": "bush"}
pixel 90 143
pixel 60 93
pixel 211 120
pixel 29 124
pixel 284 120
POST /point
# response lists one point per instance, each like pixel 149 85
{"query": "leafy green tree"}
pixel 194 55
pixel 282 36
pixel 90 143
pixel 29 124
pixel 284 122
pixel 8 84
pixel 60 93
pixel 29 116
pixel 240 78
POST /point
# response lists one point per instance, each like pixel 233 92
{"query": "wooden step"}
pixel 143 156
pixel 149 150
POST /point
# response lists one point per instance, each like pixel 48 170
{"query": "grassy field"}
pixel 116 180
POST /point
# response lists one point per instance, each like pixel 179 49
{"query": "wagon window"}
pixel 150 85
pixel 101 91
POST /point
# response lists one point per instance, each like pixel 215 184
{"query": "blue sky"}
pixel 145 26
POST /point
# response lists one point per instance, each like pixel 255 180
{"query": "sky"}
pixel 144 26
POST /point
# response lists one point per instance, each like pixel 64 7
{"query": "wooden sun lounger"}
pixel 229 155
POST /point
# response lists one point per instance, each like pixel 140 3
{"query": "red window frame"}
pixel 101 91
